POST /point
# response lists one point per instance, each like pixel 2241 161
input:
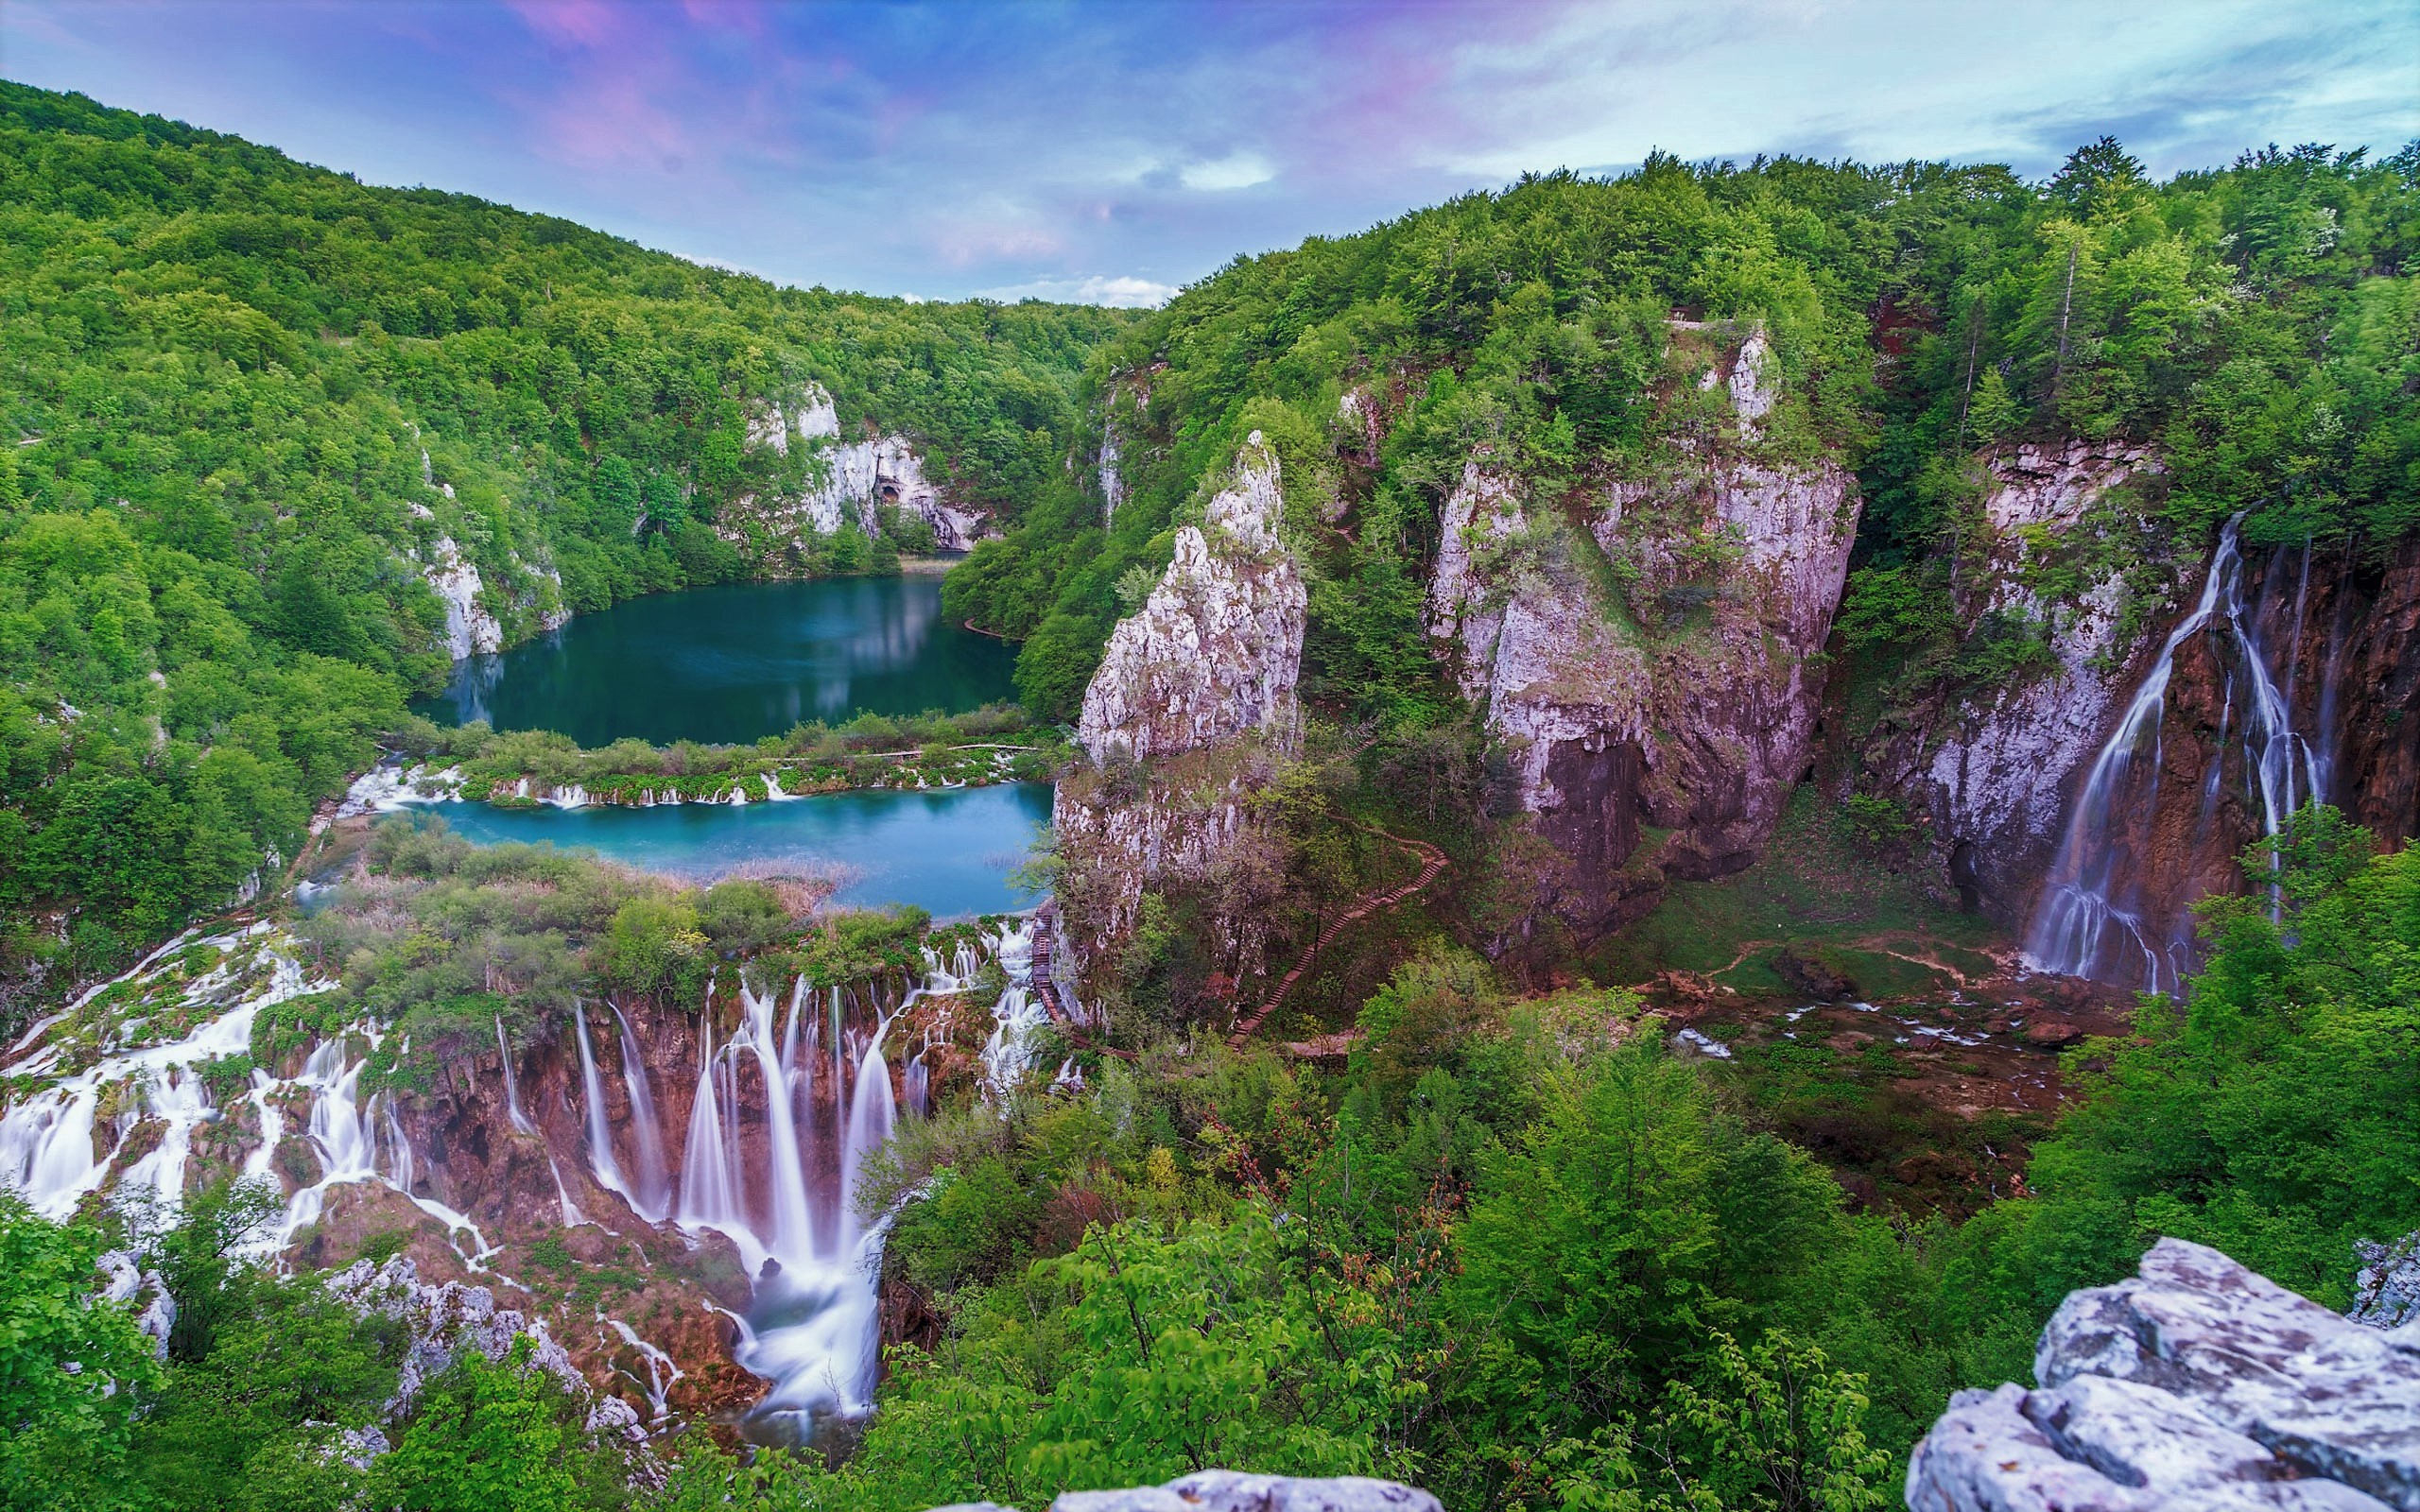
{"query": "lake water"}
pixel 729 666
pixel 947 852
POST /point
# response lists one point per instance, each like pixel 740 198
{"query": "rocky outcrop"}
pixel 1218 647
pixel 1234 1491
pixel 445 1323
pixel 1642 656
pixel 471 627
pixel 2196 1384
pixel 1194 696
pixel 127 1283
pixel 851 480
pixel 2386 1290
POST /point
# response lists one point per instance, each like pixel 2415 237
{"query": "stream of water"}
pixel 2092 918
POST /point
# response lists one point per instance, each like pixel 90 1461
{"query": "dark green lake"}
pixel 729 666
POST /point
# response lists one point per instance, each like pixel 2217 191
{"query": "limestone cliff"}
pixel 1641 651
pixel 527 592
pixel 1992 767
pixel 848 480
pixel 1218 647
pixel 1194 696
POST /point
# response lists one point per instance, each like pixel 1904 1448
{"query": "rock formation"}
pixel 1194 696
pixel 1642 654
pixel 852 480
pixel 1218 647
pixel 1233 1492
pixel 2197 1385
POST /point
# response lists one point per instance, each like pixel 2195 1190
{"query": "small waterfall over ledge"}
pixel 2107 909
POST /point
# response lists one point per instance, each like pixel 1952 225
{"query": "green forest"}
pixel 1511 1245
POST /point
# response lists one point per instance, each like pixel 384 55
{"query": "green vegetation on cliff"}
pixel 2256 322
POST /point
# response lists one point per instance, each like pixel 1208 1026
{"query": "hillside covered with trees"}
pixel 239 391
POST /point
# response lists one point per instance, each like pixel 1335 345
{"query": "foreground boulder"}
pixel 1233 1492
pixel 2196 1384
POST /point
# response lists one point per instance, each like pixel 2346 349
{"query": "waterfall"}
pixel 601 1163
pixel 654 1187
pixel 707 1200
pixel 871 1114
pixel 1008 1053
pixel 793 1234
pixel 521 1124
pixel 2090 921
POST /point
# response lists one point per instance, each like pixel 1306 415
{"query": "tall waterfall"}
pixel 2091 920
pixel 655 1189
pixel 814 1327
pixel 707 1198
pixel 601 1163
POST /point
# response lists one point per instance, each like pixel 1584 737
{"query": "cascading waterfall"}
pixel 2090 921
pixel 601 1163
pixel 814 1327
pixel 655 1188
pixel 1008 1053
pixel 707 1199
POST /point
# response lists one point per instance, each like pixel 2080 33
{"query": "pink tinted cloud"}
pixel 571 23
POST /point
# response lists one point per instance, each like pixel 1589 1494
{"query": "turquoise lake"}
pixel 947 852
pixel 730 665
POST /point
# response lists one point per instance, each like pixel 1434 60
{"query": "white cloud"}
pixel 1239 170
pixel 1122 292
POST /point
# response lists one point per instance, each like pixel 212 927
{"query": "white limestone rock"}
pixel 1232 1491
pixel 446 1321
pixel 126 1284
pixel 2197 1383
pixel 471 627
pixel 1218 648
pixel 1998 768
pixel 2386 1290
pixel 859 477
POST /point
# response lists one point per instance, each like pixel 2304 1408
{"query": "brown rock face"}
pixel 1642 656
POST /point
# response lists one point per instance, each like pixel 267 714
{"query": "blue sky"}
pixel 1115 151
